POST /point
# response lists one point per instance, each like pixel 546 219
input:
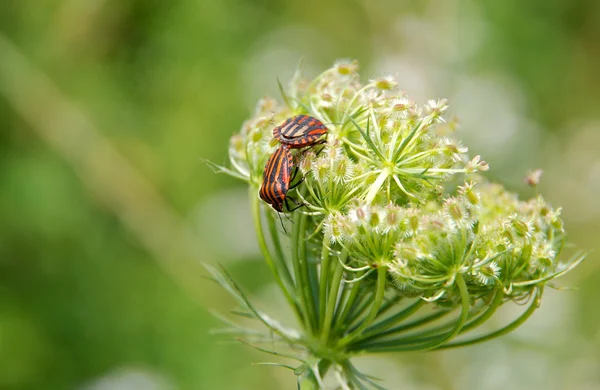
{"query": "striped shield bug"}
pixel 300 131
pixel 277 177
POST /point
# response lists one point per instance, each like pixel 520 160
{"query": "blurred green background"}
pixel 107 108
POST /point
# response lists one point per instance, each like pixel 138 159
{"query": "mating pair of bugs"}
pixel 297 132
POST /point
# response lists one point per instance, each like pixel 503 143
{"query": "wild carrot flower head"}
pixel 398 222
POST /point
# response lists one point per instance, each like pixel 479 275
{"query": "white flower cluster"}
pixel 378 190
pixel 393 209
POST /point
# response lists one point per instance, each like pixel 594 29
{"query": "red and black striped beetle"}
pixel 277 177
pixel 300 131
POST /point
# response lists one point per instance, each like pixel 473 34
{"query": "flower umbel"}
pixel 386 255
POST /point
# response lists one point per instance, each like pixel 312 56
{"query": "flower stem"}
pixel 323 282
pixel 312 375
pixel 432 341
pixel 285 272
pixel 301 274
pixel 495 304
pixel 262 243
pixel 379 293
pixel 374 188
pixel 311 275
pixel 392 320
pixel 332 298
pixel 364 301
pixel 373 341
pixel 507 329
pixel 349 303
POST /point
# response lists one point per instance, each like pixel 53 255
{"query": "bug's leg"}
pixel 281 222
pixel 299 204
pixel 315 146
pixel 296 169
pixel 322 142
pixel 286 207
pixel 296 184
pixel 297 207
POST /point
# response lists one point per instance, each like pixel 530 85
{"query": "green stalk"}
pixel 308 381
pixel 302 286
pixel 406 141
pixel 423 336
pixel 359 310
pixel 436 332
pixel 430 342
pixel 389 304
pixel 379 293
pixel 312 376
pixel 262 243
pixel 379 338
pixel 374 188
pixel 505 330
pixel 323 282
pixel 309 274
pixel 495 304
pixel 333 293
pixel 349 304
pixel 462 320
pixel 392 320
pixel 283 268
pixel 375 340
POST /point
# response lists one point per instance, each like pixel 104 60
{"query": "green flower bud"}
pixel 386 83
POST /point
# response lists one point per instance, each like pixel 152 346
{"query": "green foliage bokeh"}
pixel 167 84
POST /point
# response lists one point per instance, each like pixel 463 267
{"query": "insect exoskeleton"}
pixel 277 178
pixel 300 131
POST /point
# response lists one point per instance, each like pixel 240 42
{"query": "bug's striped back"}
pixel 277 177
pixel 300 131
